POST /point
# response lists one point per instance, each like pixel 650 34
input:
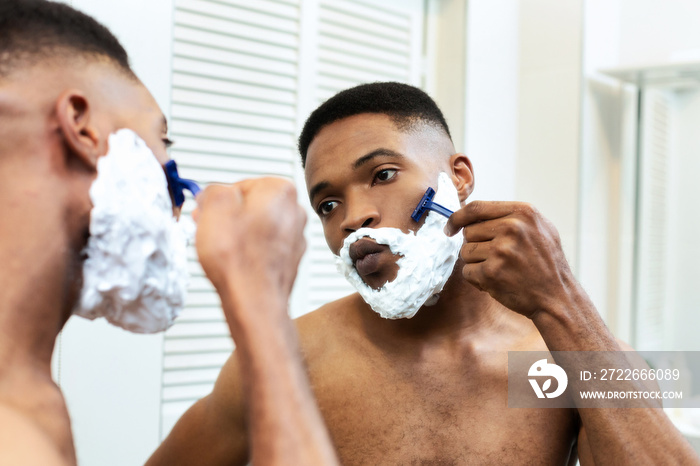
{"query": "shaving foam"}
pixel 135 274
pixel 427 259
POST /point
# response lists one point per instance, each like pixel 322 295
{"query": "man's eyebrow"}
pixel 164 124
pixel 381 152
pixel 318 187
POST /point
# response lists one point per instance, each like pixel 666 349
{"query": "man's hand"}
pixel 514 253
pixel 250 237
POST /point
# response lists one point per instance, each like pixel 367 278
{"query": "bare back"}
pixel 34 422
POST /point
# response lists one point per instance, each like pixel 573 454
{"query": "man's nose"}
pixel 359 213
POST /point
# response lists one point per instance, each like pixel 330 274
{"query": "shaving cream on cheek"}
pixel 135 274
pixel 427 259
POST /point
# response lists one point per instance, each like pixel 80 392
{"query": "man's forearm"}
pixel 284 421
pixel 614 435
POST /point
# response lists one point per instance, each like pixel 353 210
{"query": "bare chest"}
pixel 449 415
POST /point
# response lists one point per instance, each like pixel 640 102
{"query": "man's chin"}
pixel 380 278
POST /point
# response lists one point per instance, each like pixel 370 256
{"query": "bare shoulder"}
pixel 23 442
pixel 329 328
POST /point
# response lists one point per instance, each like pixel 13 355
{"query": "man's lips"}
pixel 364 254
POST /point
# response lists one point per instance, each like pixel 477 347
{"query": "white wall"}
pixel 112 379
pixel 522 105
pixel 547 171
pixel 491 117
pixel 655 31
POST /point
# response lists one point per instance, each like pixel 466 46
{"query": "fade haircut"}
pixel 406 105
pixel 35 30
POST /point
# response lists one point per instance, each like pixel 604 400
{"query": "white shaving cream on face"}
pixel 135 274
pixel 427 260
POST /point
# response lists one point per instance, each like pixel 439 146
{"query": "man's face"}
pixel 122 102
pixel 362 171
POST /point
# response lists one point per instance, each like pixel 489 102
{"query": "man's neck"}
pixel 37 269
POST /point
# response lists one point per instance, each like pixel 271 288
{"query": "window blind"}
pixel 239 99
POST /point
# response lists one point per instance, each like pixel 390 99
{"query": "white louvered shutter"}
pixel 652 249
pixel 245 76
pixel 233 116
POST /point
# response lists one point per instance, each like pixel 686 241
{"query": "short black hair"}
pixel 35 30
pixel 406 105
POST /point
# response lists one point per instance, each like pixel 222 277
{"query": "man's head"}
pixel 65 86
pixel 407 106
pixel 38 31
pixel 63 66
pixel 369 154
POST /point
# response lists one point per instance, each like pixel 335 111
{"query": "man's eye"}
pixel 386 174
pixel 168 142
pixel 327 207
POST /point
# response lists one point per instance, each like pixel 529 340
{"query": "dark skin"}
pixel 433 389
pixel 429 390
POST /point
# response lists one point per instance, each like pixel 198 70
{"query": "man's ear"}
pixel 77 126
pixel 462 175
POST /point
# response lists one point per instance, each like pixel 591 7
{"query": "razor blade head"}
pixel 424 204
pixel 174 185
pixel 177 185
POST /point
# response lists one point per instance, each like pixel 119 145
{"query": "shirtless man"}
pixel 65 86
pixel 432 389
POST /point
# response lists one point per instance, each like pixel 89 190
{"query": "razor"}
pixel 426 203
pixel 177 185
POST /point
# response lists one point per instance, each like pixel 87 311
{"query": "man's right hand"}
pixel 250 237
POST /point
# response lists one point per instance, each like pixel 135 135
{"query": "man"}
pixel 431 389
pixel 65 87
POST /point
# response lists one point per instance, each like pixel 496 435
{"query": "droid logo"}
pixel 546 371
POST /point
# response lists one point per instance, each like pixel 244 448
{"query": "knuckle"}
pixel 490 270
pixel 501 250
pixel 476 207
pixel 513 227
pixel 528 210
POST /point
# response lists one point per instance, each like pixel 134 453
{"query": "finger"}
pixel 219 195
pixel 473 253
pixel 481 231
pixel 268 183
pixel 479 211
pixel 474 274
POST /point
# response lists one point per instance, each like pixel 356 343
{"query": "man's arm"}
pixel 250 241
pixel 515 254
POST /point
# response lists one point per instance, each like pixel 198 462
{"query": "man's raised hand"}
pixel 513 253
pixel 250 237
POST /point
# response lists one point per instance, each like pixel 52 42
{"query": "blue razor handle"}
pixel 176 185
pixel 426 203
